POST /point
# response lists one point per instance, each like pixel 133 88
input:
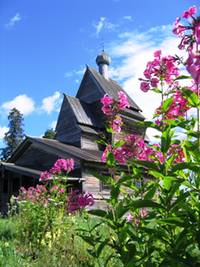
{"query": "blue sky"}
pixel 45 44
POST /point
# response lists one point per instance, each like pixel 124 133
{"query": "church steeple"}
pixel 103 60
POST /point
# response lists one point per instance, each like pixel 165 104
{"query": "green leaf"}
pixel 167 182
pixel 191 97
pixel 156 90
pixel 98 212
pixel 185 166
pixel 121 209
pixel 110 159
pixel 150 193
pixel 148 164
pixel 104 178
pixel 166 104
pixel 87 239
pixel 166 139
pixel 114 193
pixel 156 174
pixel 145 203
pixel 172 221
pixel 182 77
pixel 119 143
pixel 101 246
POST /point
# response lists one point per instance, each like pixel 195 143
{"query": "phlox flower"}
pixel 190 12
pixel 123 101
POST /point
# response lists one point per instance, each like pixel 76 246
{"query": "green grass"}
pixel 68 249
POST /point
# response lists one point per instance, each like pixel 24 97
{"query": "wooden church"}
pixel 79 126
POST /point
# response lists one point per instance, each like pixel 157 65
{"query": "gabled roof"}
pixel 57 148
pixel 82 111
pixel 108 86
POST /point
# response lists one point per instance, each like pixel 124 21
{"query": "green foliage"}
pixel 15 134
pixel 153 215
pixel 49 134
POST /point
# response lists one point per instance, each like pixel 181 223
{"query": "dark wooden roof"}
pixel 22 170
pixel 57 148
pixel 31 172
pixel 82 111
pixel 110 87
pixel 86 129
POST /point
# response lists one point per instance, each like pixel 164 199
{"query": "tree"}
pixel 15 134
pixel 49 134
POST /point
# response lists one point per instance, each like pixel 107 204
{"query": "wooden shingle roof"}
pixel 111 87
pixel 82 111
pixel 57 148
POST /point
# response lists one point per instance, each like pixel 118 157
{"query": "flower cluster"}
pixel 175 152
pixel 57 189
pixel 190 40
pixel 33 194
pixel 78 201
pixel 59 167
pixel 193 66
pixel 177 108
pixel 142 214
pixel 190 30
pixel 111 108
pixel 62 165
pixel 160 69
pixel 135 147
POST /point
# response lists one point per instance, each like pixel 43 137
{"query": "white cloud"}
pixel 14 20
pixel 68 74
pixel 128 18
pixel 79 72
pixel 133 50
pixel 51 103
pixel 103 24
pixel 23 103
pixel 3 130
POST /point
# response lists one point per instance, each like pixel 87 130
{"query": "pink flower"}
pixel 190 12
pixel 157 54
pixel 123 101
pixel 79 201
pixel 105 153
pixel 129 217
pixel 154 82
pixel 158 122
pixel 54 188
pixel 193 66
pixel 44 176
pixel 160 68
pixel 62 190
pixel 159 155
pixel 62 165
pixel 197 33
pixel 107 110
pixel 178 28
pixel 106 100
pixel 144 86
pixel 143 212
pixel 116 124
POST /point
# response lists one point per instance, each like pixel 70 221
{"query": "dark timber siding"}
pixel 89 141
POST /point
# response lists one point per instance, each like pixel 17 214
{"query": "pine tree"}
pixel 15 134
